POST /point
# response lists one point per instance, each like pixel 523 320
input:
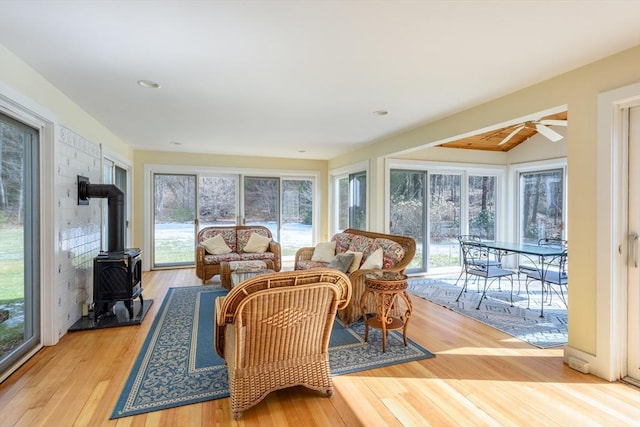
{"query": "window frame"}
pixel 515 171
pixel 349 172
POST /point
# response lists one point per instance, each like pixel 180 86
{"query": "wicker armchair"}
pixel 273 332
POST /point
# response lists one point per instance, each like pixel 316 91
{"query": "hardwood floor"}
pixel 480 376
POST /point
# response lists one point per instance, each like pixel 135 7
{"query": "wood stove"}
pixel 117 276
pixel 117 272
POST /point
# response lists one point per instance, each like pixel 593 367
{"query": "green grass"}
pixel 11 264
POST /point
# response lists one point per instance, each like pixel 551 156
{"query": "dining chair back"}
pixel 480 261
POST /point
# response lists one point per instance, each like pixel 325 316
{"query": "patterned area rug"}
pixel 495 310
pixel 178 365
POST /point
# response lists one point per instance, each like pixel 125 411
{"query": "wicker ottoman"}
pixel 226 268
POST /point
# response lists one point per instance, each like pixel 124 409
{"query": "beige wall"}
pixel 23 79
pixel 578 90
pixel 202 161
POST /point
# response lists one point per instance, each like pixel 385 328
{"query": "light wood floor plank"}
pixel 479 376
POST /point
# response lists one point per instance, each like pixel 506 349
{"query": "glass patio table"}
pixel 540 256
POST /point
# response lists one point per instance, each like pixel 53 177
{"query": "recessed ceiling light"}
pixel 148 84
pixel 175 143
pixel 381 112
pixel 302 151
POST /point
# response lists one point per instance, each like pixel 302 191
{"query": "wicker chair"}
pixel 273 332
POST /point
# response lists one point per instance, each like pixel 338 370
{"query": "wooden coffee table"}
pixel 384 290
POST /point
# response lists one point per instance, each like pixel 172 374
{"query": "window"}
pixel 350 195
pixel 114 173
pixel 541 207
pixel 435 203
pixel 482 195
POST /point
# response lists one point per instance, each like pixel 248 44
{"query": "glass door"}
pixel 19 242
pixel 444 219
pixel 297 216
pixel 633 271
pixel 407 209
pixel 218 200
pixel 174 219
pixel 262 203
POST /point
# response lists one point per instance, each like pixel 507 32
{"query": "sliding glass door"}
pixel 445 213
pixel 296 230
pixel 174 220
pixel 407 209
pixel 19 242
pixel 262 203
pixel 282 204
pixel 218 201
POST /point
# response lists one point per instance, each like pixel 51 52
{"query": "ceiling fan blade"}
pixel 511 135
pixel 550 134
pixel 553 122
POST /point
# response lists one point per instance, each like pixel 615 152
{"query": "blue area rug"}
pixel 178 364
pixel 496 310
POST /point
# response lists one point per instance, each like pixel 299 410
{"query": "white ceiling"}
pixel 300 78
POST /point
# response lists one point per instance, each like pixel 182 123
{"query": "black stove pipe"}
pixel 115 201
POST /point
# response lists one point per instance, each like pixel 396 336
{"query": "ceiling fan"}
pixel 540 126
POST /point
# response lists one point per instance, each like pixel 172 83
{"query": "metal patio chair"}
pixel 477 259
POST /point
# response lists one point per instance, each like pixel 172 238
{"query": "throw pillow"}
pixel 216 245
pixel 357 259
pixel 341 262
pixel 374 261
pixel 324 252
pixel 257 243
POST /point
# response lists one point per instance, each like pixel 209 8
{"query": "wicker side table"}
pixel 383 291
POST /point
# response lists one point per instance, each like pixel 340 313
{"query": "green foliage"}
pixel 10 338
pixel 308 218
pixel 484 224
pixel 180 214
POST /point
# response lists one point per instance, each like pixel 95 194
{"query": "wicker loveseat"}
pixel 273 332
pixel 398 252
pixel 236 238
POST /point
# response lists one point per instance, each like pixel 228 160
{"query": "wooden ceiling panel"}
pixel 490 141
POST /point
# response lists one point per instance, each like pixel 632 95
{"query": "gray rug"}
pixel 495 310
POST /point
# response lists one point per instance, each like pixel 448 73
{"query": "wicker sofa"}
pixel 236 238
pixel 398 252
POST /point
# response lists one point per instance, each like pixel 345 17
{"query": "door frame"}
pixel 611 275
pixel 14 104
